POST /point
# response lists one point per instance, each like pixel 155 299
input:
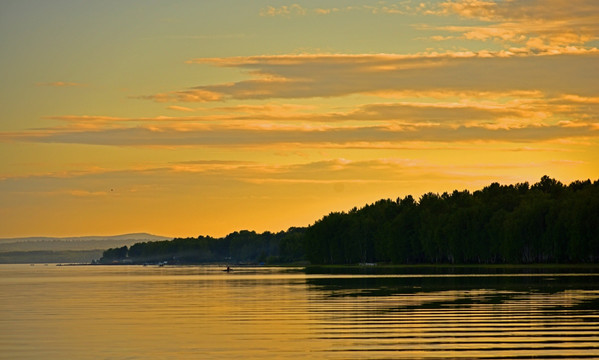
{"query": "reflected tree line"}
pixel 548 222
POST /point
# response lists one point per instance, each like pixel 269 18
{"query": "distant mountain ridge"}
pixel 131 236
pixel 42 243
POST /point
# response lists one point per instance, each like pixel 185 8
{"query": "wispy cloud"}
pixel 181 108
pixel 520 116
pixel 191 95
pixel 134 182
pixel 580 11
pixel 180 193
pixel 549 26
pixel 521 107
pixel 533 25
pixel 301 136
pixel 161 183
pixel 380 7
pixel 60 84
pixel 222 36
pixel 284 10
pixel 96 184
pixel 323 75
pixel 539 26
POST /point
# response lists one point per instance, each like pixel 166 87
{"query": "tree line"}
pixel 548 222
pixel 238 247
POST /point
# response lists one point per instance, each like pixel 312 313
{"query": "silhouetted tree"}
pixel 545 222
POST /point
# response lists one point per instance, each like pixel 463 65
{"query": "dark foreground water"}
pixel 131 312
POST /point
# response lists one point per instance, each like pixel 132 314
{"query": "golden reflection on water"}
pixel 130 312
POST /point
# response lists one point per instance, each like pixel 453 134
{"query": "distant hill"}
pixel 53 249
pixel 50 257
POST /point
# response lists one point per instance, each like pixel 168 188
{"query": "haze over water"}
pixel 201 312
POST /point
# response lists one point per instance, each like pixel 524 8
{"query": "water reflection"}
pixel 198 312
pixel 459 316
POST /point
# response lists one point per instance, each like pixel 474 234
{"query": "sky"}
pixel 186 118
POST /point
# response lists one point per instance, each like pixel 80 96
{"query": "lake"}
pixel 201 312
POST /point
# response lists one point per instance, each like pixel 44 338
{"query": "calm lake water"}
pixel 199 312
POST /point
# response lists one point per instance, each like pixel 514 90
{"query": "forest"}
pixel 240 247
pixel 547 222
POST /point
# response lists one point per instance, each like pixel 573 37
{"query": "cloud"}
pixel 193 95
pixel 533 25
pixel 551 21
pixel 489 10
pixel 87 193
pixel 321 11
pixel 322 75
pixel 302 136
pixel 60 84
pixel 380 7
pixel 449 113
pixel 222 36
pixel 180 108
pixel 403 112
pixel 147 180
pixel 87 118
pixel 191 196
pixel 206 179
pixel 267 108
pixel 285 10
pixel 272 123
pixel 467 107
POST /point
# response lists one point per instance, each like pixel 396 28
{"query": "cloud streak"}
pixel 510 116
pixel 213 135
pixel 284 10
pixel 60 84
pixel 145 180
pixel 292 10
pixel 310 76
pixel 535 25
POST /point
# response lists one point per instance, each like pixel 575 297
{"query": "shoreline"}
pixel 386 269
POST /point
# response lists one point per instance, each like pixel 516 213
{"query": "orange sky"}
pixel 202 118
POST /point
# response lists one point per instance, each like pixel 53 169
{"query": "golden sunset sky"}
pixel 187 118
